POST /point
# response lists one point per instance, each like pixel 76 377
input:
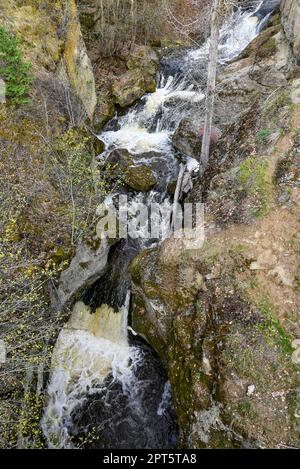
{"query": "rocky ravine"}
pixel 224 318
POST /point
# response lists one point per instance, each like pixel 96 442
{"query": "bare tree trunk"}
pixel 211 84
pixel 177 194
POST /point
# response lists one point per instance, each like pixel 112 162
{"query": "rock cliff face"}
pixel 53 43
pixel 290 21
pixel 77 62
pixel 224 318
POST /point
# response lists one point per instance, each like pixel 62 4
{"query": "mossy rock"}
pixel 98 146
pixel 268 48
pixel 144 59
pixel 105 111
pixel 140 178
pixel 264 45
pixel 136 176
pixel 150 84
pixel 172 187
pixel 128 88
pixel 241 194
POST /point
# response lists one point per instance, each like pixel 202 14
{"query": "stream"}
pixel 107 387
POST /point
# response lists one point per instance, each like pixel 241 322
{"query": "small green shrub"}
pixel 280 100
pixel 13 70
pixel 254 181
pixel 273 326
pixel 268 48
pixel 263 135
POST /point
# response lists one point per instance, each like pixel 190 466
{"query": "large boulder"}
pixel 187 139
pixel 138 177
pixel 120 157
pixel 86 267
pixel 145 59
pixel 129 87
pixel 290 14
pixel 142 63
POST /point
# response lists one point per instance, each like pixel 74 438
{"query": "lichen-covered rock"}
pixel 53 43
pixel 129 87
pixel 43 45
pixel 290 14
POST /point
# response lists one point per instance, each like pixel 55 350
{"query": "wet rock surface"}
pixel 140 417
pixel 85 268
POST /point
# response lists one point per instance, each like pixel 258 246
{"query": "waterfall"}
pixel 89 347
pixel 148 125
pixel 238 31
pixel 98 378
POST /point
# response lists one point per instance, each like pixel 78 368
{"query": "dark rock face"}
pixel 187 139
pixel 104 111
pixel 141 417
pixel 120 156
pixel 267 7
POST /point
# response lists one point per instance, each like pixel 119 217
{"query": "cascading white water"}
pixel 136 132
pixel 88 349
pixel 93 346
pixel 150 125
pixel 238 31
